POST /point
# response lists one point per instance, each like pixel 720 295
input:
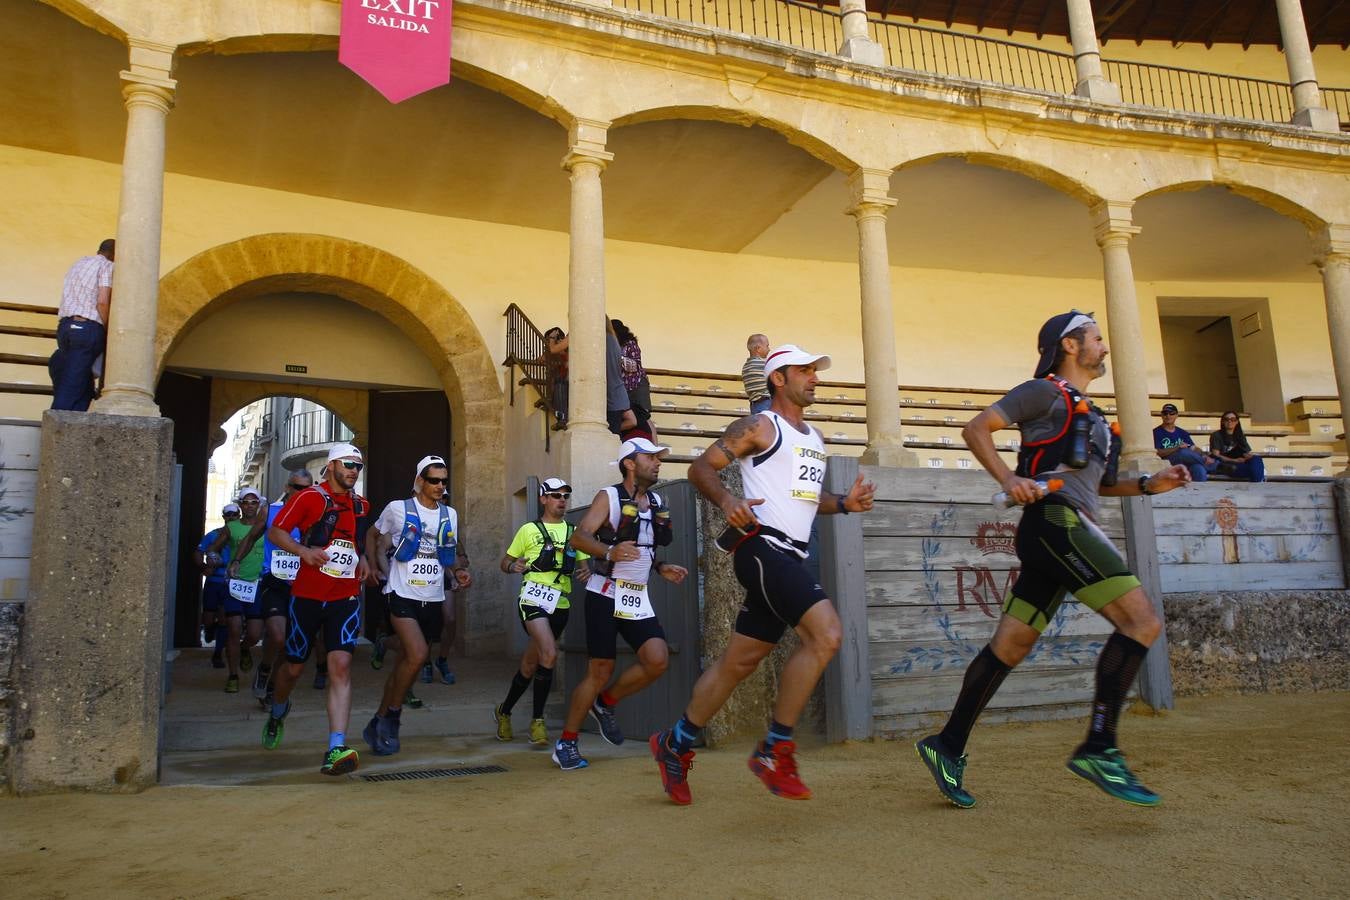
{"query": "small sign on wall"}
pixel 400 47
pixel 297 370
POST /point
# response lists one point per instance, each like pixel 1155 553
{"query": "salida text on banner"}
pixel 400 47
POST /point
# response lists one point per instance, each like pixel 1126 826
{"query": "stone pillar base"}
pixel 863 50
pixel 93 632
pixel 1318 118
pixel 587 454
pixel 890 456
pixel 1098 89
pixel 1140 462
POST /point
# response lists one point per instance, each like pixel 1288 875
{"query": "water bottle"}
pixel 1112 458
pixel 1001 500
pixel 1080 434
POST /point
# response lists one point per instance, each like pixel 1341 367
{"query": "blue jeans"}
pixel 71 367
pixel 1199 464
pixel 1253 469
pixel 760 405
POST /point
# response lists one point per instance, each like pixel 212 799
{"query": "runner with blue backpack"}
pixel 422 536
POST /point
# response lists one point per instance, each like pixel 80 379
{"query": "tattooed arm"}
pixel 743 437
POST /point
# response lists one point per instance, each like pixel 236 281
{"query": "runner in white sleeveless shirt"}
pixel 783 466
pixel 621 531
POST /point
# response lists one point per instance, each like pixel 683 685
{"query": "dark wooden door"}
pixel 187 400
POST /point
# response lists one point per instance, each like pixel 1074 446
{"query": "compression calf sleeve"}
pixel 518 685
pixel 983 677
pixel 543 683
pixel 1116 670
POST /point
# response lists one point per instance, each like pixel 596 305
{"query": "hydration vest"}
pixel 320 534
pixel 410 538
pixel 629 527
pixel 547 560
pixel 1037 457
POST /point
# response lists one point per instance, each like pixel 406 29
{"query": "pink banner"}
pixel 400 47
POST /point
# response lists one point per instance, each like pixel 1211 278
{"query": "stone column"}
pixel 1087 57
pixel 885 441
pixel 858 44
pixel 1333 258
pixel 129 381
pixel 589 446
pixel 1114 227
pixel 1308 109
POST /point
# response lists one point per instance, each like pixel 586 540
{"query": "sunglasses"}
pixel 430 480
pixel 1230 418
pixel 296 487
pixel 558 495
pixel 351 465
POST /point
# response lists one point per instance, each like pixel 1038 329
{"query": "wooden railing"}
pixel 525 350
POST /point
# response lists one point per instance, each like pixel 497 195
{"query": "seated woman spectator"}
pixel 1229 446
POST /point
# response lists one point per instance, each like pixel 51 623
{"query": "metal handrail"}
pixel 953 54
pixel 316 426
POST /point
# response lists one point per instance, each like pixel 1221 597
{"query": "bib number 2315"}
pixel 243 591
pixel 631 600
pixel 341 560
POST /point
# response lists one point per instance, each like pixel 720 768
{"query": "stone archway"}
pixel 412 301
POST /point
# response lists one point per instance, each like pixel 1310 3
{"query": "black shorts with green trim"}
pixel 1063 552
pixel 557 620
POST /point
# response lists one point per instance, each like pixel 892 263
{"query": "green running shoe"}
pixel 947 772
pixel 274 729
pixel 340 761
pixel 1107 770
pixel 377 654
pixel 411 700
pixel 503 721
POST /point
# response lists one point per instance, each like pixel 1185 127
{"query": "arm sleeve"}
pixel 1029 400
pixel 303 511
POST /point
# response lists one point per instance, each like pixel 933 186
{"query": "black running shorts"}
pixel 603 630
pixel 274 596
pixel 339 619
pixel 1062 551
pixel 427 613
pixel 778 590
pixel 557 620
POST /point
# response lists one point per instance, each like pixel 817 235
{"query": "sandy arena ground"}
pixel 1255 793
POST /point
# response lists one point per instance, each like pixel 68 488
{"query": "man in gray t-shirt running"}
pixel 1061 551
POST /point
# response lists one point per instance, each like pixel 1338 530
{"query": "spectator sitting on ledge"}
pixel 1229 448
pixel 1176 446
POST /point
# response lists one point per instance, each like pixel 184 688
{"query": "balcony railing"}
pixel 318 426
pixel 952 54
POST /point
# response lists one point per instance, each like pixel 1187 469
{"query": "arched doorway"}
pixel 358 331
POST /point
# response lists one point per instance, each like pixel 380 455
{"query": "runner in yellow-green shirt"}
pixel 541 553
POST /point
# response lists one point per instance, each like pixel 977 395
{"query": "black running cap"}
pixel 1047 342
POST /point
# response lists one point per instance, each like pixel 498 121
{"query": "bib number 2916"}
pixel 541 595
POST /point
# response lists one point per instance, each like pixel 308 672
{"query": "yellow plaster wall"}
pixel 692 309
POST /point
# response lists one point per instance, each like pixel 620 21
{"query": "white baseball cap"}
pixel 429 460
pixel 246 491
pixel 638 445
pixel 230 508
pixel 553 484
pixel 342 451
pixel 792 355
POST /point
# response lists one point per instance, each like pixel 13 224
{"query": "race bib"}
pixel 285 565
pixel 243 591
pixel 544 596
pixel 630 599
pixel 423 571
pixel 341 560
pixel 808 474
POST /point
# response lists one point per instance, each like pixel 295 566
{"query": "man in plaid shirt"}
pixel 82 331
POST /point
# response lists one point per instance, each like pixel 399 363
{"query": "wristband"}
pixel 607 549
pixel 843 510
pixel 1143 486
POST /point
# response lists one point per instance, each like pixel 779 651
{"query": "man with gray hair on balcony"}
pixel 752 373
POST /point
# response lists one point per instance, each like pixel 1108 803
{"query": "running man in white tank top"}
pixel 783 464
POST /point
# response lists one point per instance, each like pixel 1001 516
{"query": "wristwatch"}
pixel 1143 486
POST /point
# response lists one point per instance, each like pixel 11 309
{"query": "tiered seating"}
pixel 27 339
pixel 692 409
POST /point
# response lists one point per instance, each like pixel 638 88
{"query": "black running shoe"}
pixel 947 772
pixel 606 721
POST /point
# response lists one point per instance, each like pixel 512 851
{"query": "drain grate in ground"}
pixel 420 774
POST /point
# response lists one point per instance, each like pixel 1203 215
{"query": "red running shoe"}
pixel 777 768
pixel 674 768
